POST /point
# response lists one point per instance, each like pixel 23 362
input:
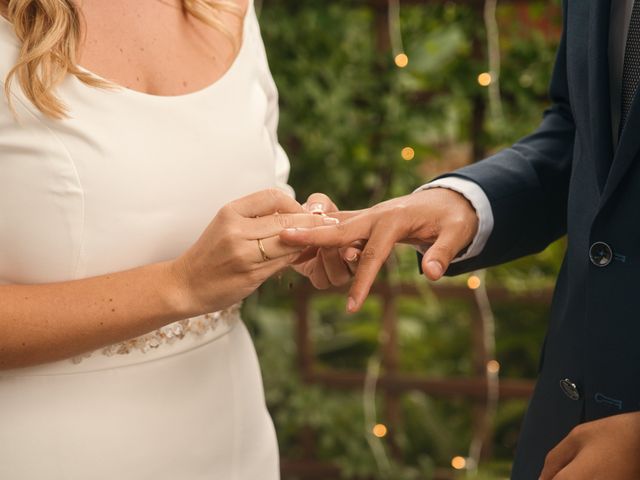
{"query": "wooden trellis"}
pixel 393 383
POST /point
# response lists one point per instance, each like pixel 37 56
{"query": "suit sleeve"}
pixel 527 184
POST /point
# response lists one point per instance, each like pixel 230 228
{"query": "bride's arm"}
pixel 48 322
pixel 43 323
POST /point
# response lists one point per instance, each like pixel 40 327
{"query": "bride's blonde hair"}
pixel 49 34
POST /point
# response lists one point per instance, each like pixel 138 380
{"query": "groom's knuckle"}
pixel 283 221
pixel 369 254
pixel 431 231
pixel 457 220
pixel 443 250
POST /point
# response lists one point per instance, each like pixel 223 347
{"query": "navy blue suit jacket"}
pixel 566 178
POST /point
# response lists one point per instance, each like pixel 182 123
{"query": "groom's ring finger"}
pixel 271 248
pixel 337 272
pixel 351 256
pixel 352 266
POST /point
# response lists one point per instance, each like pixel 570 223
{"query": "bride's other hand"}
pixel 240 249
pixel 327 267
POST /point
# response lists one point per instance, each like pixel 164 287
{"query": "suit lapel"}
pixel 628 146
pixel 599 96
pixel 627 150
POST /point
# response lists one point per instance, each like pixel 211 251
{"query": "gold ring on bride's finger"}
pixel 265 257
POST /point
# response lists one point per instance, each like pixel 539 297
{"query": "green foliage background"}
pixel 346 112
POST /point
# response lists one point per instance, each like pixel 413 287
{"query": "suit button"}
pixel 600 254
pixel 570 389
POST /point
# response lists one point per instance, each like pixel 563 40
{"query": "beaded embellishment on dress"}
pixel 169 333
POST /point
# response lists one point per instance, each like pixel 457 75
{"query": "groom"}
pixel 578 174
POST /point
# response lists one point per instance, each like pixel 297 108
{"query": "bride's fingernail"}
pixel 351 305
pixel 330 221
pixel 316 208
pixel 295 229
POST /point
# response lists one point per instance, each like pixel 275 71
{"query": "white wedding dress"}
pixel 127 180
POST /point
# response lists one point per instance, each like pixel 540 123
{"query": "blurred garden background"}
pixel 429 381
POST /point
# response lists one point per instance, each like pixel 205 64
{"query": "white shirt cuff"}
pixel 478 199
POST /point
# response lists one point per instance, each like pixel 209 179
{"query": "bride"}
pixel 133 136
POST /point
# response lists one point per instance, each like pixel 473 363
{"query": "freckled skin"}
pixel 153 44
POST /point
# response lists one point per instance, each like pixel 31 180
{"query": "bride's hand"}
pixel 240 249
pixel 327 267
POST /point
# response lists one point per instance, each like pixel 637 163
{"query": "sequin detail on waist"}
pixel 169 333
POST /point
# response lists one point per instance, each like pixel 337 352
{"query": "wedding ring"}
pixel 265 257
pixel 355 259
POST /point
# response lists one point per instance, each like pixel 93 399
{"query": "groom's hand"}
pixel 605 448
pixel 326 267
pixel 441 220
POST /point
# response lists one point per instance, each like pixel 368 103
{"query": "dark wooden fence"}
pixel 393 383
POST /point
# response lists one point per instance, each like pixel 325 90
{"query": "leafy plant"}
pixel 346 113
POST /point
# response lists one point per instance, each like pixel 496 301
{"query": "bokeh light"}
pixel 474 282
pixel 493 366
pixel 408 153
pixel 401 60
pixel 380 430
pixel 484 79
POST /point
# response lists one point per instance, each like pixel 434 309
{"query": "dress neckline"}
pixel 118 88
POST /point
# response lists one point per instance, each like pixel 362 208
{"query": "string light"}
pixel 380 430
pixel 402 60
pixel 408 153
pixel 395 33
pixel 493 51
pixel 474 282
pixel 458 463
pixel 485 79
pixel 493 366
